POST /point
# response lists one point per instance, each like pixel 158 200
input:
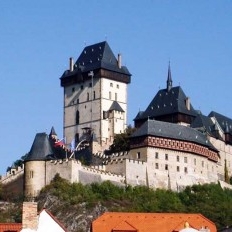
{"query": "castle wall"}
pixel 73 171
pixel 225 151
pixel 13 185
pixel 117 166
pixel 169 169
pixel 67 169
pixel 136 172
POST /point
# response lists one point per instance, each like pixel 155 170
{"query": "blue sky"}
pixel 38 37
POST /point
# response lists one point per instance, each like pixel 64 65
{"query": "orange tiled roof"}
pixel 143 222
pixel 16 227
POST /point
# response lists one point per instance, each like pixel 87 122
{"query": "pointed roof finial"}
pixel 169 79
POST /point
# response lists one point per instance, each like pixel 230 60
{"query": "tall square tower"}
pixel 95 96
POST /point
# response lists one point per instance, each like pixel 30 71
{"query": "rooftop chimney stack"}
pixel 187 102
pixel 119 60
pixel 71 64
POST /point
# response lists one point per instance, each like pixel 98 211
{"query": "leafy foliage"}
pixel 121 141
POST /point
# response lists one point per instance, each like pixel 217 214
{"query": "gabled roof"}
pixel 41 148
pixel 174 131
pixel 115 106
pixel 143 222
pixel 48 222
pixel 168 102
pixel 124 226
pixel 14 227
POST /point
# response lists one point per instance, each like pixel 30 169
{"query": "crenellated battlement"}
pixel 12 174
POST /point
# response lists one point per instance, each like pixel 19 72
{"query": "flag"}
pixel 60 143
pixel 72 145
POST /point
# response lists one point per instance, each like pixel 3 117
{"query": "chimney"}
pixel 71 64
pixel 30 216
pixel 187 103
pixel 119 60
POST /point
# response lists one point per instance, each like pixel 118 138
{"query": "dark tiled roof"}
pixel 115 106
pixel 205 125
pixel 52 132
pixel 224 122
pixel 168 102
pixel 97 56
pixel 173 131
pixel 41 148
pixel 139 115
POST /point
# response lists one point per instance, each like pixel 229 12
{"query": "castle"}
pixel 173 146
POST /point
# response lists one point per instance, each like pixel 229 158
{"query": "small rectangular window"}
pixel 178 158
pixel 166 156
pixel 111 84
pixel 31 174
pixel 185 170
pixel 156 166
pixel 138 155
pixel 177 168
pixel 157 155
pixel 185 160
pixel 166 167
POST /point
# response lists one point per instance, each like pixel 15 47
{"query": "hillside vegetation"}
pixel 76 205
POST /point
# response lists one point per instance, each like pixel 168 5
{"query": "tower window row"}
pixel 167 168
pixel 111 85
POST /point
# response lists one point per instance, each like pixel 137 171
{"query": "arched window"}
pixel 77 117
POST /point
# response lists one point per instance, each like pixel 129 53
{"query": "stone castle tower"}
pixel 95 97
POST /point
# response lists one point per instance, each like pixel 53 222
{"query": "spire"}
pixel 53 134
pixel 169 80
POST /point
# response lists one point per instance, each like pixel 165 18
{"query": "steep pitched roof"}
pixel 174 131
pixel 99 55
pixel 48 222
pixel 115 106
pixel 162 222
pixel 14 227
pixel 40 149
pixel 53 132
pixel 168 102
pixel 224 122
pixel 205 125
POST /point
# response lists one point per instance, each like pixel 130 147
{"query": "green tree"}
pixel 122 141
